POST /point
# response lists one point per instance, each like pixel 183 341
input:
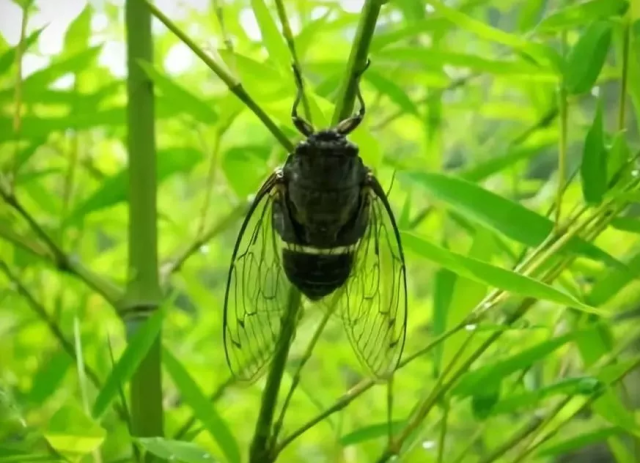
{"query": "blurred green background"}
pixel 462 99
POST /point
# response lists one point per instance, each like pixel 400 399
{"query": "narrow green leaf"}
pixel 271 37
pixel 530 399
pixel 489 274
pixel 484 31
pixel 49 376
pixel 389 88
pixel 530 14
pixel 40 80
pixel 245 168
pixel 489 375
pixel 9 57
pixel 174 450
pixel 593 170
pixel 438 58
pixel 613 281
pixel 574 443
pixel 586 58
pixel 484 400
pixel 500 214
pixel 494 165
pixel 576 14
pixel 444 283
pixel 202 408
pixel 370 432
pixel 113 190
pixel 72 433
pixel 618 158
pixel 77 37
pixel 180 98
pixel 385 38
pixel 24 455
pixel 136 350
pixel 629 224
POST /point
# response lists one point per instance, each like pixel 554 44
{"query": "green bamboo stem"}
pixel 261 451
pixel 234 86
pixel 562 147
pixel 298 374
pixel 357 60
pixel 143 289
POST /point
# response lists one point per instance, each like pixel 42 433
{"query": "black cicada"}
pixel 322 223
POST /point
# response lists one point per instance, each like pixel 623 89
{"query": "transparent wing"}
pixel 257 290
pixel 373 304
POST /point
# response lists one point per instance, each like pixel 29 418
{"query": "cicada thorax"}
pixel 322 213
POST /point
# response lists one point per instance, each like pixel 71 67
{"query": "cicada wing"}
pixel 257 289
pixel 373 304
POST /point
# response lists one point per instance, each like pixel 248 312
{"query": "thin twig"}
pixel 234 85
pixel 42 313
pixel 111 292
pixel 298 374
pixel 360 388
pixel 174 264
pixel 288 37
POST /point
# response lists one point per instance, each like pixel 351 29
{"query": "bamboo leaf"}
pixel 40 80
pixel 629 224
pixel 202 408
pixel 593 170
pixel 135 351
pixel 392 90
pixel 586 58
pixel 113 190
pixel 245 168
pixel 577 14
pixel 566 446
pixel 271 37
pixel 77 37
pixel 490 275
pixel 180 98
pixel 72 433
pixel 571 386
pixel 492 34
pixel 491 374
pixel 370 432
pixel 500 214
pixel 9 57
pixel 174 450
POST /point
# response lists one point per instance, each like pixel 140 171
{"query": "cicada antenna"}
pixel 303 126
pixel 350 124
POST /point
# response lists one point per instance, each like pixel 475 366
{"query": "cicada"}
pixel 322 222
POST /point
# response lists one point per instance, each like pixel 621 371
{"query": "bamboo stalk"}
pixel 357 60
pixel 142 296
pixel 261 450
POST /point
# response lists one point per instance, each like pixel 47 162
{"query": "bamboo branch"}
pixel 357 60
pixel 234 86
pixel 261 451
pixel 111 292
pixel 174 264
